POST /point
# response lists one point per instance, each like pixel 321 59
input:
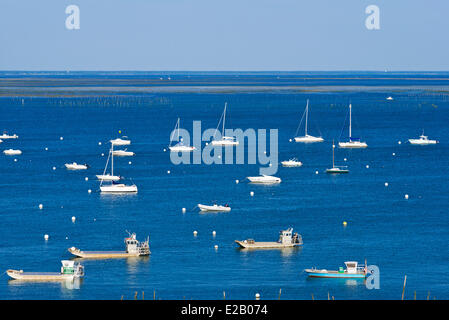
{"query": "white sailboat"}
pixel 123 153
pixel 179 147
pixel 115 187
pixel 353 142
pixel 108 176
pixel 423 140
pixel 336 169
pixel 224 141
pixel 307 138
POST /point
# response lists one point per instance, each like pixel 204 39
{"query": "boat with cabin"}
pixel 134 248
pixel 307 138
pixel 224 140
pixel 292 163
pixel 121 142
pixel 5 136
pixel 264 179
pixel 70 270
pixel 354 143
pixel 123 153
pixel 12 152
pixel 214 208
pixel 353 270
pixel 76 166
pixel 286 240
pixel 423 140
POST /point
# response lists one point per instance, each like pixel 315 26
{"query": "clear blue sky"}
pixel 238 35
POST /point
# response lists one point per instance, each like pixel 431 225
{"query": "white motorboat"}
pixel 307 138
pixel 123 153
pixel 76 166
pixel 108 177
pixel 12 152
pixel 224 140
pixel 353 142
pixel 114 187
pixel 118 188
pixel 179 147
pixel 7 136
pixel 121 142
pixel 423 140
pixel 291 163
pixel 264 179
pixel 390 98
pixel 214 208
pixel 336 169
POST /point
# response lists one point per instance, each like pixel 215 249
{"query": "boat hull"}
pixel 118 189
pixel 264 180
pixel 336 171
pixel 291 164
pixel 224 143
pixel 11 152
pixel 265 245
pixel 353 145
pixel 107 177
pixel 121 153
pixel 39 276
pixel 103 254
pixel 308 139
pixel 422 142
pixel 75 167
pixel 334 274
pixel 214 208
pixel 181 149
pixel 120 142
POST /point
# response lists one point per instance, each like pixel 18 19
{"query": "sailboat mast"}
pixel 350 121
pixel 333 154
pixel 307 115
pixel 112 159
pixel 177 125
pixel 224 119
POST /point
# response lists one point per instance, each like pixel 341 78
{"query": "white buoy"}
pixel 41 206
pixel 386 184
pixel 406 196
pixel 345 159
pixel 367 166
pixel 67 238
pixel 207 143
pixel 214 233
pixel 316 172
pixel 15 160
pixel 165 150
pixel 129 162
pixel 257 296
pixel 86 179
pixel 102 154
pixel 251 193
pixel 168 171
pixel 46 149
pixel 219 157
pixel 290 140
pixel 399 142
pixel 46 237
pixel 216 247
pixel 195 233
pixel 236 181
pixel 394 153
pixel 89 191
pixel 54 168
pixel 73 219
pixel 270 164
pixel 99 143
pixel 61 138
pixel 183 210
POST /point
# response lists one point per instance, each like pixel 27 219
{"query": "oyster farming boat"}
pixel 70 270
pixel 134 248
pixel 352 271
pixel 286 240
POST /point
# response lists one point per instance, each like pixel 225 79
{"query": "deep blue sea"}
pixel 402 237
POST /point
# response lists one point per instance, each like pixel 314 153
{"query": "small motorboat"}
pixel 390 98
pixel 7 136
pixel 118 188
pixel 352 271
pixel 12 152
pixel 286 240
pixel 181 148
pixel 76 166
pixel 134 248
pixel 264 179
pixel 121 142
pixel 292 163
pixel 70 270
pixel 214 208
pixel 123 153
pixel 108 177
pixel 423 140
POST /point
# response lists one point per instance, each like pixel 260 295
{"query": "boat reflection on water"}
pixel 133 263
pixel 65 284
